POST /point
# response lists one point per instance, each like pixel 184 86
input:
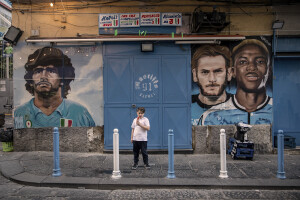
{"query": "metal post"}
pixel 223 171
pixel 56 170
pixel 7 66
pixel 171 173
pixel 116 173
pixel 280 154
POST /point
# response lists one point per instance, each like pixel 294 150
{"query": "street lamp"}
pixel 278 24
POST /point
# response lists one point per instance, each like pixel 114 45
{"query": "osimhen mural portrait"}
pixel 49 72
pixel 245 98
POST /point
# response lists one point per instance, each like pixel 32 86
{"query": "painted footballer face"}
pixel 211 75
pixel 46 80
pixel 250 69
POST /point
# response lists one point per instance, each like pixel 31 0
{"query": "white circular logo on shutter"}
pixel 147 86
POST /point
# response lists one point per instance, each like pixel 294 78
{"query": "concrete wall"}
pixel 61 21
pixel 73 139
pixel 290 15
pixel 206 139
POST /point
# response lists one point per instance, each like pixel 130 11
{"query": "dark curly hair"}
pixel 249 42
pixel 50 56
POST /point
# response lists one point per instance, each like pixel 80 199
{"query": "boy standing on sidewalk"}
pixel 140 126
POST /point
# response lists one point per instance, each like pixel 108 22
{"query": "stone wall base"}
pixel 71 139
pixel 206 139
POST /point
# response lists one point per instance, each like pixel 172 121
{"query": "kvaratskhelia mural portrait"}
pixel 57 87
pixel 232 84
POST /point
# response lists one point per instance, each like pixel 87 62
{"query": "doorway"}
pixel 160 81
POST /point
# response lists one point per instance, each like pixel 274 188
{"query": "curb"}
pixel 153 183
pixel 15 172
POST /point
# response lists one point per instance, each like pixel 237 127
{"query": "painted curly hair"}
pixel 50 56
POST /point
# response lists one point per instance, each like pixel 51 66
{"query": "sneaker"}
pixel 134 166
pixel 147 166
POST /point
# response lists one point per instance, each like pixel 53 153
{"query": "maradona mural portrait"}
pixel 49 72
pixel 246 98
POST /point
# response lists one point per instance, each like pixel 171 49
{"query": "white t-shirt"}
pixel 140 134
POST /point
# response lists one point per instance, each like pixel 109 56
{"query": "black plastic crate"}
pixel 238 149
pixel 6 135
pixel 289 141
pixel 249 145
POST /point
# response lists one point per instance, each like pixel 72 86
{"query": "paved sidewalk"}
pixel 94 170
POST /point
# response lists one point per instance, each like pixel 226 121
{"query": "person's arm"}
pixel 143 126
pixel 132 130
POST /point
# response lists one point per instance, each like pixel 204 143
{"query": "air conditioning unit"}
pixel 13 35
pixel 208 22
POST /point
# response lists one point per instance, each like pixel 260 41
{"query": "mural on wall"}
pixel 58 87
pixel 232 83
pixel 3 30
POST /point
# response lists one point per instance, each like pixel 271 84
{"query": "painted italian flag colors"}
pixel 65 122
pixel 115 22
pixel 28 124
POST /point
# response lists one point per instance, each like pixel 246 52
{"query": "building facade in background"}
pixel 6 59
pixel 178 85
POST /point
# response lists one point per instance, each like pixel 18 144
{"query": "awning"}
pixel 178 39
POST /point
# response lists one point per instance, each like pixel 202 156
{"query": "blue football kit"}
pixel 231 112
pixel 198 108
pixel 76 115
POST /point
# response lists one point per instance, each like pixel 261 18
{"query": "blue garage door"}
pixel 159 81
pixel 286 97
